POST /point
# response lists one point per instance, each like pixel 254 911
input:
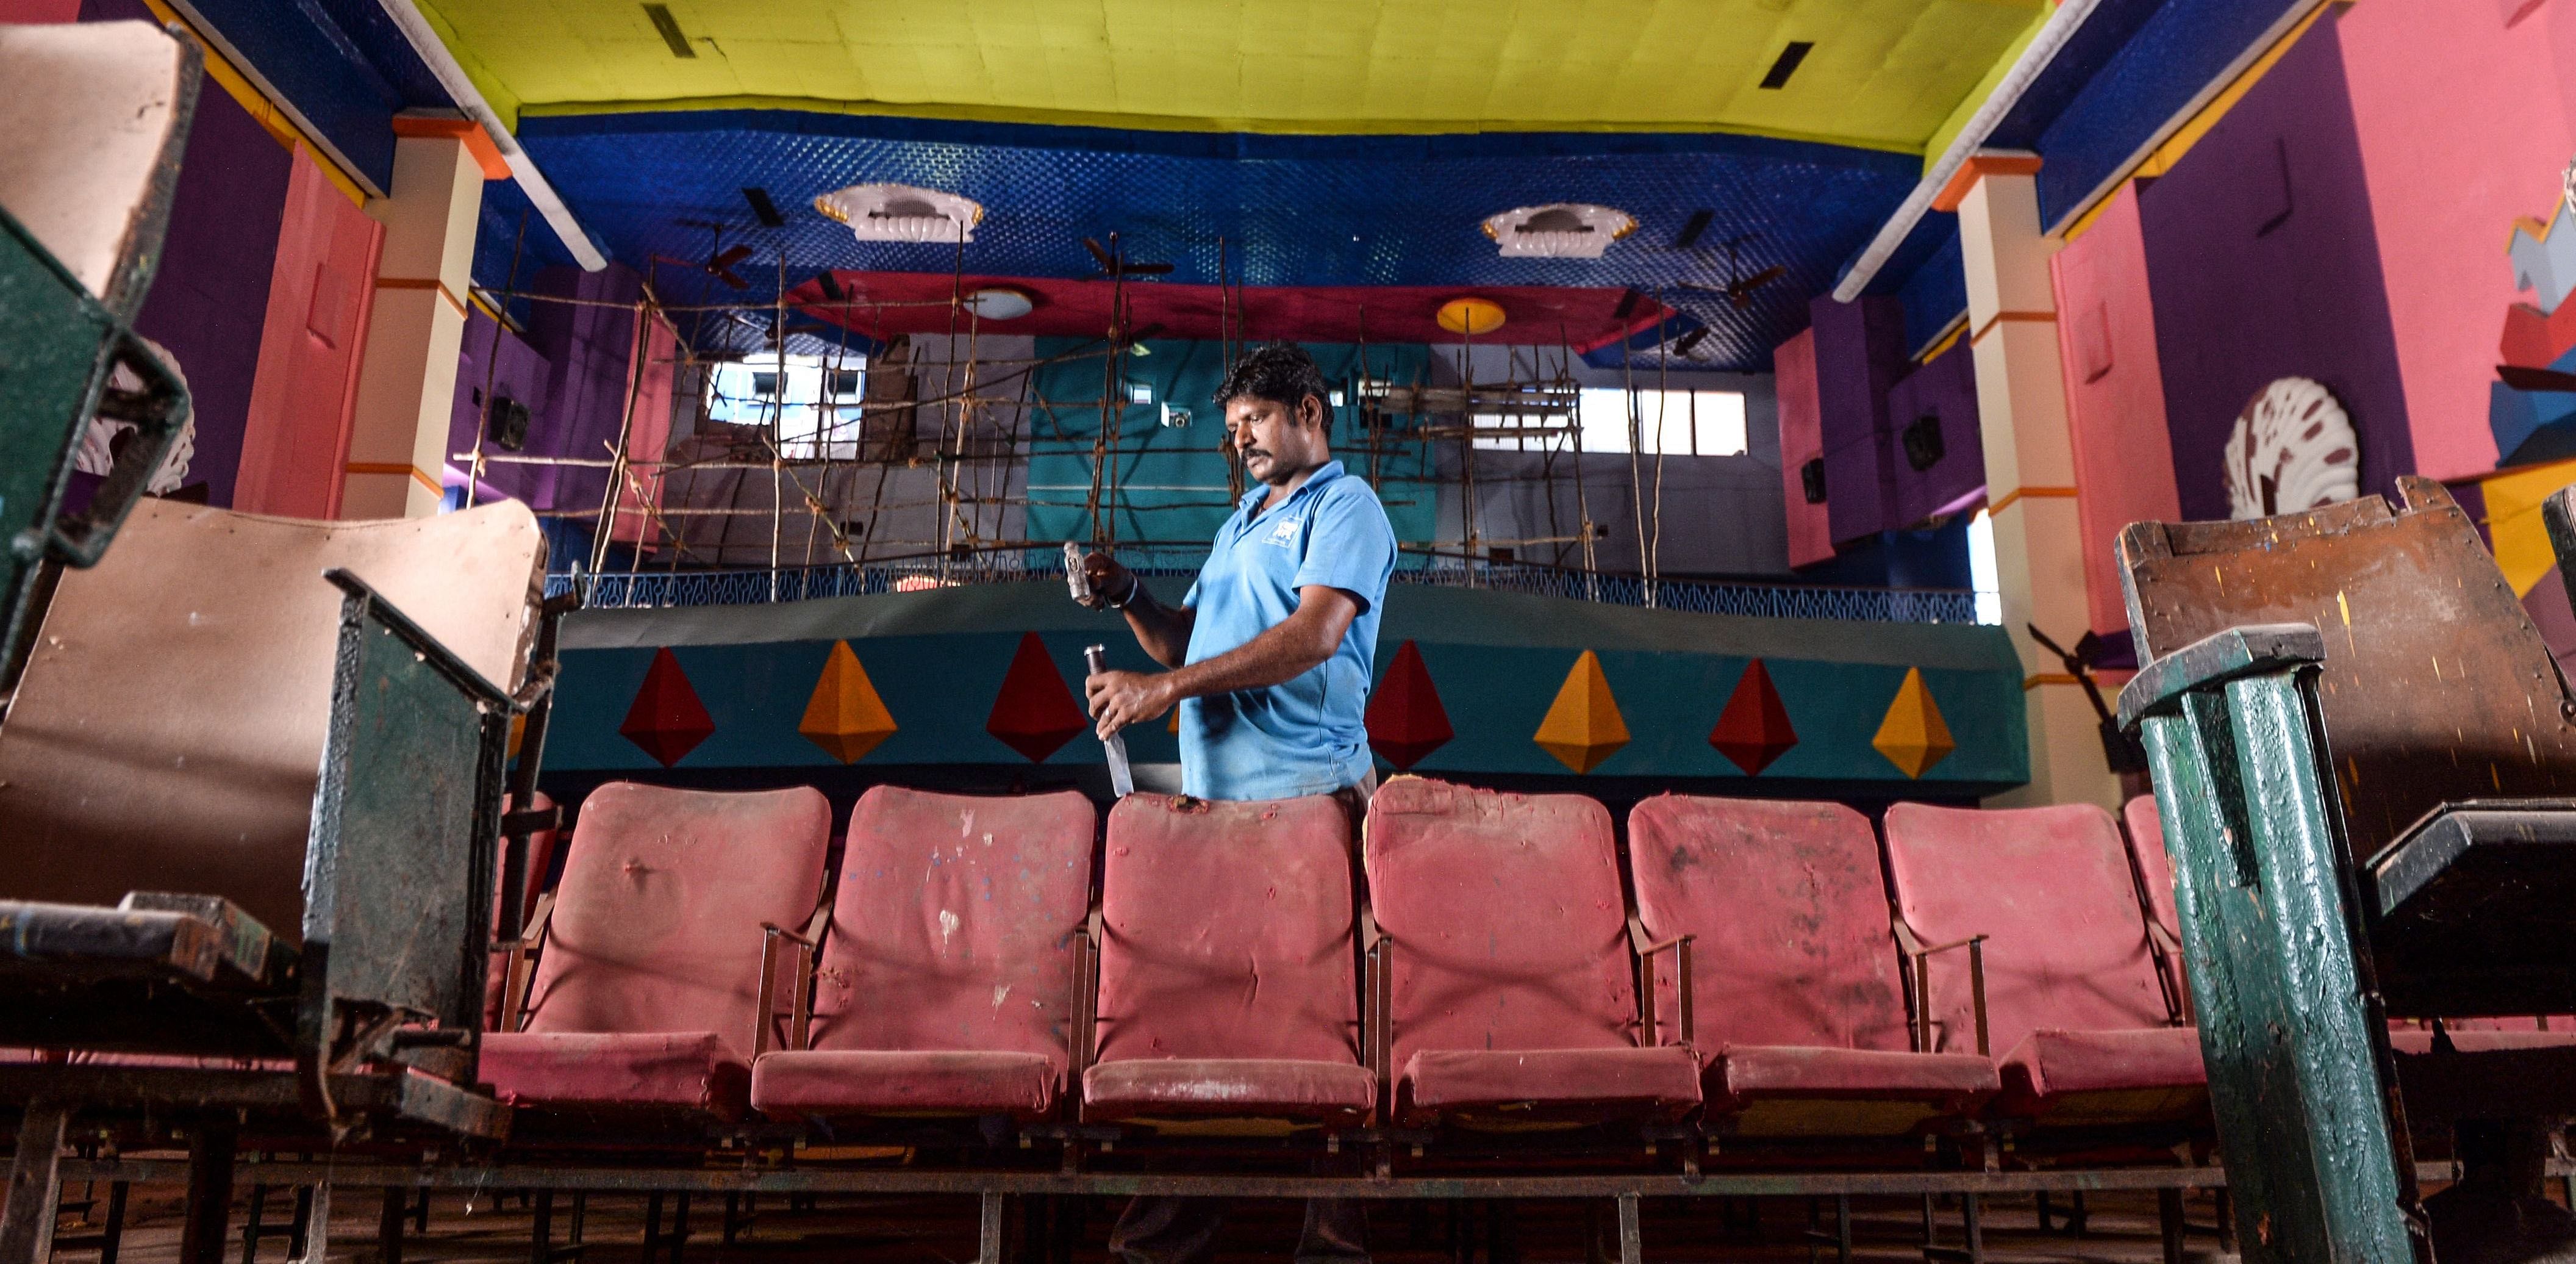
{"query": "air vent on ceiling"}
pixel 1559 230
pixel 900 212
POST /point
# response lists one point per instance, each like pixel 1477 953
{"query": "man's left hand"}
pixel 1121 698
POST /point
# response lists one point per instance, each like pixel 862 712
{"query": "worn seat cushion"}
pixel 842 1082
pixel 2122 1074
pixel 678 1070
pixel 1656 1083
pixel 1281 1088
pixel 1741 1073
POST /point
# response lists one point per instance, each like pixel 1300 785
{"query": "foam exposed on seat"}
pixel 1795 975
pixel 2072 999
pixel 952 933
pixel 1510 937
pixel 1226 978
pixel 653 951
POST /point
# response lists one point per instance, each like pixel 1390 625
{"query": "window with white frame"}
pixel 811 404
pixel 1668 423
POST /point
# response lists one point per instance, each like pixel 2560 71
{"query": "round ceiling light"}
pixel 1000 302
pixel 1470 316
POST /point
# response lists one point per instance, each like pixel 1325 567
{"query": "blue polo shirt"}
pixel 1305 736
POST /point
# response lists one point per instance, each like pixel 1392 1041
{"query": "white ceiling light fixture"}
pixel 901 212
pixel 1559 230
pixel 1000 302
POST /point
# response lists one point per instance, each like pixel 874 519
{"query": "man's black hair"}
pixel 1280 372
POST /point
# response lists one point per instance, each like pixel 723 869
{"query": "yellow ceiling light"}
pixel 900 212
pixel 1882 74
pixel 1559 230
pixel 1470 316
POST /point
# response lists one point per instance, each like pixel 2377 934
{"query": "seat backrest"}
pixel 169 728
pixel 100 112
pixel 1789 916
pixel 2155 868
pixel 656 924
pixel 1226 931
pixel 955 922
pixel 1509 926
pixel 2436 685
pixel 2066 946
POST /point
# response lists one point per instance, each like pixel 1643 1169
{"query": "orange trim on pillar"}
pixel 2027 318
pixel 416 283
pixel 2044 493
pixel 396 467
pixel 2048 678
pixel 1978 168
pixel 477 141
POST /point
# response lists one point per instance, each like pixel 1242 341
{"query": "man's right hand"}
pixel 1111 584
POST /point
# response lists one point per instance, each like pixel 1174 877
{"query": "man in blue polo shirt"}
pixel 1269 660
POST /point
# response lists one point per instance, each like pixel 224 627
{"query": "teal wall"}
pixel 1172 480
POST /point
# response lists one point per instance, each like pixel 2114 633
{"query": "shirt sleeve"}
pixel 1350 546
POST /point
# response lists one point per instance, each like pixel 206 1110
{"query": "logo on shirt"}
pixel 1285 534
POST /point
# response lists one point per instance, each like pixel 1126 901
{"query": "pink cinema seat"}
pixel 1795 979
pixel 1228 997
pixel 646 996
pixel 945 985
pixel 1509 981
pixel 2075 1011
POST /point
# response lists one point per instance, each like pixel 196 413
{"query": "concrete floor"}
pixel 937 1230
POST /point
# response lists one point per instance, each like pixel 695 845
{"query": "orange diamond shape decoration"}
pixel 1583 726
pixel 1754 729
pixel 1913 736
pixel 845 716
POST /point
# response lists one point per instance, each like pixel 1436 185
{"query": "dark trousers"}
pixel 1160 1229
pixel 1166 1230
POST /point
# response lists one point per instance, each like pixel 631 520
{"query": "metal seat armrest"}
pixel 1918 961
pixel 2169 976
pixel 518 967
pixel 807 945
pixel 1377 1034
pixel 2251 650
pixel 1646 947
pixel 1085 1037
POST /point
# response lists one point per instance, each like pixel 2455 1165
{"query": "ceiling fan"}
pixel 1738 290
pixel 720 258
pixel 1114 262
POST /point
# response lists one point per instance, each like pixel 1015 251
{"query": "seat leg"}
pixel 113 1238
pixel 679 1225
pixel 251 1227
pixel 989 1238
pixel 652 1226
pixel 395 1209
pixel 313 1210
pixel 300 1231
pixel 1842 1229
pixel 2077 1218
pixel 2226 1220
pixel 35 1182
pixel 541 1229
pixel 420 1212
pixel 1505 1246
pixel 732 1217
pixel 2169 1223
pixel 1631 1239
pixel 210 1194
pixel 1972 1220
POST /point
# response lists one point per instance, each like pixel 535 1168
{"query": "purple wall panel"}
pixel 584 404
pixel 209 300
pixel 1945 389
pixel 1860 351
pixel 520 374
pixel 2264 264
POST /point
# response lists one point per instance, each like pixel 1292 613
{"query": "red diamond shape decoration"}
pixel 666 719
pixel 1754 729
pixel 1035 714
pixel 1405 719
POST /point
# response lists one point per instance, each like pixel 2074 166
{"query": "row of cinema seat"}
pixel 693 971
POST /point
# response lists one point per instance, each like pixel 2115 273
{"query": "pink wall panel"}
pixel 2115 396
pixel 649 432
pixel 1802 439
pixel 2465 125
pixel 305 392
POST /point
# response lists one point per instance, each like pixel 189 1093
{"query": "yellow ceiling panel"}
pixel 1883 73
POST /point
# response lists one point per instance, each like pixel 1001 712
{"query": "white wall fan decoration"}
pixel 2292 449
pixel 1558 230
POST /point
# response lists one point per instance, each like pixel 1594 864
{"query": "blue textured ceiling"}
pixel 1292 210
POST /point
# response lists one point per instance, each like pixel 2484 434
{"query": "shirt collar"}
pixel 1323 474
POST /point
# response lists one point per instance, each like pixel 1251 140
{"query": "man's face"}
pixel 1277 442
